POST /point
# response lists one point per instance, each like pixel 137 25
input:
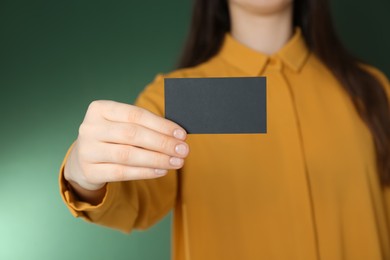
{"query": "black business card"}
pixel 217 105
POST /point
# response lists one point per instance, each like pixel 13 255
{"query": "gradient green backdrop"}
pixel 58 56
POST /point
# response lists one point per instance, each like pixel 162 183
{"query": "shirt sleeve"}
pixel 131 204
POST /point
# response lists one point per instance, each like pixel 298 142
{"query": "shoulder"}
pixel 206 69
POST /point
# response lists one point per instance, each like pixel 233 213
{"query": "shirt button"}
pixel 274 63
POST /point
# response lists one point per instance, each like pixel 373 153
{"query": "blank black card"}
pixel 217 105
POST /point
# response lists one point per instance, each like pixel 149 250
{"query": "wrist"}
pixel 94 197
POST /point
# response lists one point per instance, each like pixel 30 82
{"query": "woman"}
pixel 316 186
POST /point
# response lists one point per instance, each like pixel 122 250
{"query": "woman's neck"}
pixel 266 33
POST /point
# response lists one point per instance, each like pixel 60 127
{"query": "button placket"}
pixel 297 182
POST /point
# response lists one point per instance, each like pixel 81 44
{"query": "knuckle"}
pixel 166 144
pixel 95 105
pixel 135 115
pixel 127 133
pixel 122 155
pixel 88 131
pixel 130 132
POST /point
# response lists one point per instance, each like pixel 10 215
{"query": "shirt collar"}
pixel 293 54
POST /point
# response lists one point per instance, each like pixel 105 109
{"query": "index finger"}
pixel 120 112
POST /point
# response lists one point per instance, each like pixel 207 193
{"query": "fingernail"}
pixel 160 171
pixel 176 161
pixel 181 149
pixel 179 134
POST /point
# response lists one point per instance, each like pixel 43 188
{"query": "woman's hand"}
pixel 120 142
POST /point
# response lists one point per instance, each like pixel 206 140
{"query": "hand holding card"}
pixel 122 142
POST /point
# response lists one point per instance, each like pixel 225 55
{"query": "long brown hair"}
pixel 211 21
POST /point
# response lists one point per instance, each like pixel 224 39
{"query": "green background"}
pixel 58 56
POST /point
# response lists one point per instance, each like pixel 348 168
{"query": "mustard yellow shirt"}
pixel 308 189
